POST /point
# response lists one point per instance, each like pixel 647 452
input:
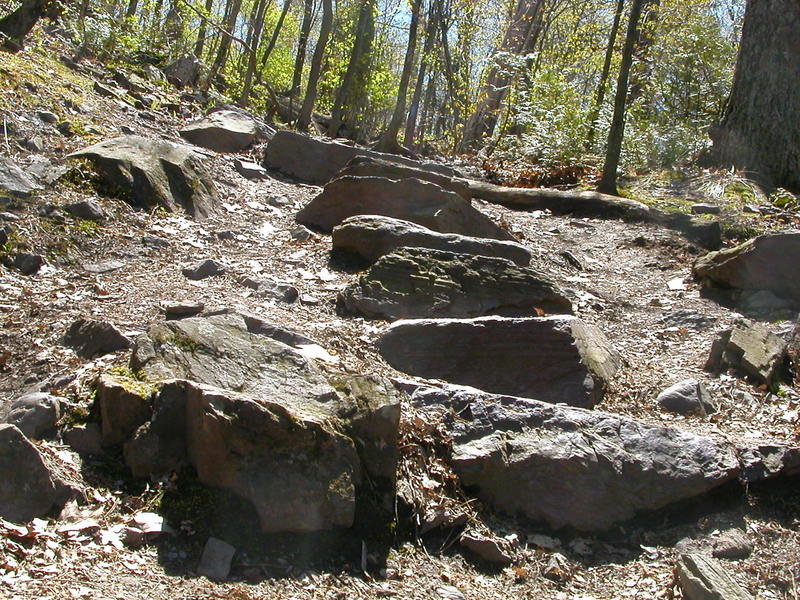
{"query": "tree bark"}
pixel 608 183
pixel 413 109
pixel 18 24
pixel 304 120
pixel 255 39
pixel 225 43
pixel 388 141
pixel 760 128
pixel 203 31
pixel 302 43
pixel 601 85
pixel 274 37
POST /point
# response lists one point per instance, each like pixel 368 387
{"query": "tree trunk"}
pixel 760 127
pixel 522 33
pixel 203 31
pixel 255 39
pixel 413 109
pixel 225 43
pixel 302 43
pixel 388 141
pixel 646 38
pixel 130 12
pixel 361 47
pixel 17 24
pixel 274 37
pixel 304 120
pixel 608 183
pixel 601 85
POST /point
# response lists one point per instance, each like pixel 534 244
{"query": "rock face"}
pixel 688 397
pixel 89 338
pixel 553 359
pixel 261 420
pixel 150 173
pixel 35 415
pixel 751 349
pixel 368 166
pixel 27 488
pixel 317 161
pixel 15 181
pixel 419 282
pixel 371 237
pixel 222 131
pixel 409 199
pixel 124 407
pixel 571 467
pixel 768 262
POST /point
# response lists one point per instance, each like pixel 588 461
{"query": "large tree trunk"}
pixel 608 183
pixel 388 141
pixel 760 129
pixel 304 120
pixel 203 30
pixel 521 35
pixel 17 24
pixel 259 9
pixel 302 43
pixel 231 15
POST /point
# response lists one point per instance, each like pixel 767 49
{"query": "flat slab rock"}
pixel 553 359
pixel 150 173
pixel 222 131
pixel 767 262
pixel 254 416
pixel 413 200
pixel 419 282
pixel 317 160
pixel 15 181
pixel 371 236
pixel 571 467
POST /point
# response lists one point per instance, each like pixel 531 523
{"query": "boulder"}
pixel 28 488
pixel 254 416
pixel 222 131
pixel 317 161
pixel 750 349
pixel 88 210
pixel 369 166
pixel 150 173
pixel 571 467
pixel 14 181
pixel 419 282
pixel 767 262
pixel 409 199
pixel 90 338
pixel 205 269
pixel 26 262
pixel 556 359
pixel 185 71
pixel 371 237
pixel 124 405
pixel 689 397
pixel 35 415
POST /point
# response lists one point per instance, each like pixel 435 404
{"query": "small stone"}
pixel 106 91
pixel 705 209
pixel 250 170
pixel 688 397
pixel 27 264
pixel 215 562
pixel 155 242
pixel 66 128
pixel 35 415
pixel 181 310
pixel 277 201
pixel 301 234
pixel 89 338
pixel 690 319
pixel 125 130
pixel 47 117
pixel 34 144
pixel 227 234
pixel 489 549
pixel 278 291
pixel 86 439
pixel 205 269
pixel 558 568
pixel 88 210
pixel 732 544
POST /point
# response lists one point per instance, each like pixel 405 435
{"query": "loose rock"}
pixel 222 131
pixel 751 349
pixel 15 181
pixel 215 562
pixel 205 269
pixel 688 397
pixel 86 209
pixel 35 415
pixel 90 338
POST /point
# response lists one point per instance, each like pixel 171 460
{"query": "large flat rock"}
pixel 317 160
pixel 150 173
pixel 369 166
pixel 767 262
pixel 569 467
pixel 553 359
pixel 371 236
pixel 413 200
pixel 420 282
pixel 222 131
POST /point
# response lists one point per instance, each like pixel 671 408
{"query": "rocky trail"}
pixel 239 362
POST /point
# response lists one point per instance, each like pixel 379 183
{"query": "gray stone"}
pixel 46 172
pixel 732 544
pixel 27 263
pixel 489 549
pixel 250 170
pixel 86 440
pixel 372 237
pixel 571 467
pixel 181 310
pixel 222 131
pixel 86 209
pixel 185 71
pixel 124 404
pixel 750 349
pixel 557 359
pixel 35 415
pixel 151 173
pixel 768 262
pixel 703 578
pixel 419 282
pixel 34 144
pixel 259 419
pixel 409 199
pixel 215 562
pixel 687 318
pixel 155 242
pixel 368 166
pixel 28 488
pixel 689 397
pixel 768 461
pixel 204 269
pixel 107 91
pixel 90 338
pixel 269 289
pixel 301 234
pixel 317 161
pixel 14 180
pixel 706 209
pixel 47 116
pixel 66 128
